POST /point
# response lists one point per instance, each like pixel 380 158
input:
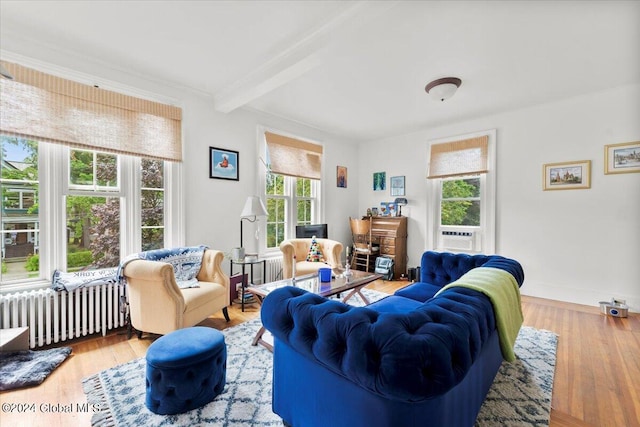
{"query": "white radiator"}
pixel 273 270
pixel 54 316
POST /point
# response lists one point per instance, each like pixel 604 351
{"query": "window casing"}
pixel 290 200
pixel 461 209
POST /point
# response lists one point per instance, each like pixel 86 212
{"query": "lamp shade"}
pixel 253 207
pixel 401 201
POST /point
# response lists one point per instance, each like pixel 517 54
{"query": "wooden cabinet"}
pixel 391 234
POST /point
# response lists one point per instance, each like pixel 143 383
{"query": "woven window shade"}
pixel 458 158
pixel 47 108
pixel 293 157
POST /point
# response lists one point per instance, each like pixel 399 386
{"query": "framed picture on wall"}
pixel 397 185
pixel 341 177
pixel 567 175
pixel 622 158
pixel 379 181
pixel 224 164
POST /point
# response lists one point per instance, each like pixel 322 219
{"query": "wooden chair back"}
pixel 361 233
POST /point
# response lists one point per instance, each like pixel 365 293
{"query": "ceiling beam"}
pixel 302 56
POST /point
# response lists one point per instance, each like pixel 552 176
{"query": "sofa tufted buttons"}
pixel 427 373
pixel 375 357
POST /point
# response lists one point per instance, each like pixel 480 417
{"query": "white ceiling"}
pixel 356 69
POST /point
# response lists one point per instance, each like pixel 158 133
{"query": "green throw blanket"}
pixel 502 289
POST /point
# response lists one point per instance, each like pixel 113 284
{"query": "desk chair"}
pixel 365 251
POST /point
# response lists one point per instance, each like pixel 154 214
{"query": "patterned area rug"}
pixel 520 395
pixel 29 368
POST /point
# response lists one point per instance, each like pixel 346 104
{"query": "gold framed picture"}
pixel 566 175
pixel 622 158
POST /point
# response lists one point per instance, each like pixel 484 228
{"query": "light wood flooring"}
pixel 596 383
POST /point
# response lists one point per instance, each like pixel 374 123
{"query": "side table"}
pixel 244 263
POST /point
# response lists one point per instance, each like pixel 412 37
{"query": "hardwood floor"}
pixel 596 383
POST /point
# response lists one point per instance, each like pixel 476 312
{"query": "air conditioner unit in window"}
pixel 459 241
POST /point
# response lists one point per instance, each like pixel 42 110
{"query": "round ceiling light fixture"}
pixel 443 88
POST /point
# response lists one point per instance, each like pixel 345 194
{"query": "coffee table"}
pixel 340 283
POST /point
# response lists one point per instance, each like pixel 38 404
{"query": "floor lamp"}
pixel 253 208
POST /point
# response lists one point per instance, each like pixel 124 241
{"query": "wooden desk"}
pixel 390 232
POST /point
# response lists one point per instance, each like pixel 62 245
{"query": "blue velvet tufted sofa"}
pixel 411 359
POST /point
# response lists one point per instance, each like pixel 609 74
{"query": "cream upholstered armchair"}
pixel 158 305
pixel 331 251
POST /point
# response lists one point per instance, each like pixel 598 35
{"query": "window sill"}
pixel 24 286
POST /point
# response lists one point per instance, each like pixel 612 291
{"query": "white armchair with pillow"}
pixel 331 251
pixel 159 304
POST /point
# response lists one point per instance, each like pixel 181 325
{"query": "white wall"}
pixel 580 246
pixel 212 206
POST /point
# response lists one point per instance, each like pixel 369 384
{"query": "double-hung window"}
pixel 292 186
pixel 87 176
pixel 462 194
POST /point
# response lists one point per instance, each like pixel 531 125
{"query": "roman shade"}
pixel 47 108
pixel 294 157
pixel 459 158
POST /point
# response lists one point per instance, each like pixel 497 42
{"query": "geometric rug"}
pixel 29 368
pixel 520 394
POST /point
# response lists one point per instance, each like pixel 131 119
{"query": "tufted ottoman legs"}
pixel 186 369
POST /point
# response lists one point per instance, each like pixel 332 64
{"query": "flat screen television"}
pixel 308 231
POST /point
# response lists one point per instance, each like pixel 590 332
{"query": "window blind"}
pixel 294 157
pixel 458 158
pixel 47 108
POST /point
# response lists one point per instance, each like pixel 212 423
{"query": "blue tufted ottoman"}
pixel 186 369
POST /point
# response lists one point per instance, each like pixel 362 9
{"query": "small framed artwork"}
pixel 379 181
pixel 224 164
pixel 397 185
pixel 622 158
pixel 341 177
pixel 389 208
pixel 567 175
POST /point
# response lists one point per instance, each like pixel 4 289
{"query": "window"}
pixel 83 207
pixel 152 200
pixel 461 192
pixel 92 220
pixel 292 186
pixel 283 195
pixel 460 201
pixel 93 200
pixel 276 208
pixel 19 184
pixel 305 200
